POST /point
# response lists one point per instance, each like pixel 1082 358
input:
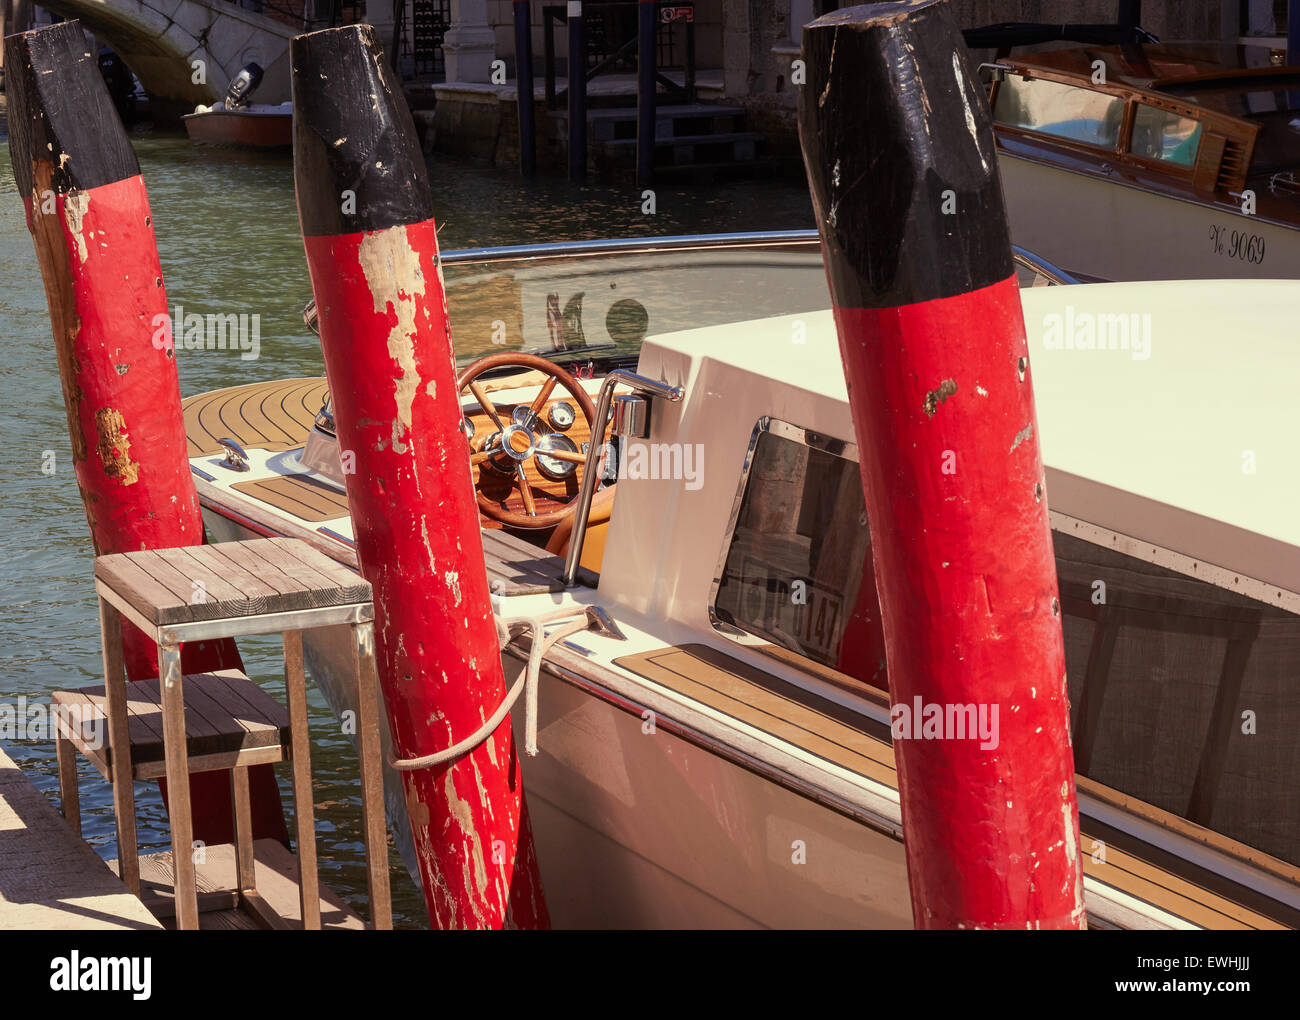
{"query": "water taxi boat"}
pixel 717 752
pixel 1152 161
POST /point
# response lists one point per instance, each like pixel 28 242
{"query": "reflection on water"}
pixel 228 238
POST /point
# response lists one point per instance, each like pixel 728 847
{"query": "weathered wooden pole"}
pixel 646 26
pixel 372 251
pixel 524 87
pixel 898 143
pixel 88 212
pixel 577 93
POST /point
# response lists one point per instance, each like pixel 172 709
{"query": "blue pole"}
pixel 577 94
pixel 1293 33
pixel 645 92
pixel 524 84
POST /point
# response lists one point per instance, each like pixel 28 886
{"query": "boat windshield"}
pixel 589 305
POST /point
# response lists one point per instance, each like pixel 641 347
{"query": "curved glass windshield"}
pixel 589 305
pixel 600 301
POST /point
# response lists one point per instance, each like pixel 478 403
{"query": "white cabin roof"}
pixel 1157 448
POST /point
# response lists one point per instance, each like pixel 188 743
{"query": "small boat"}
pixel 234 121
pixel 1152 161
pixel 721 755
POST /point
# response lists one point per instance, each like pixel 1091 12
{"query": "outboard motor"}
pixel 243 85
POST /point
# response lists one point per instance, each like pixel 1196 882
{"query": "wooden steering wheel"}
pixel 513 448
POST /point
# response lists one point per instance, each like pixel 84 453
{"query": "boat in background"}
pixel 1146 161
pixel 234 121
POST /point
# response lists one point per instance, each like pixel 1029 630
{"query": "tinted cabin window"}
pixel 1184 695
pixel 1062 110
pixel 1164 136
pixel 795 567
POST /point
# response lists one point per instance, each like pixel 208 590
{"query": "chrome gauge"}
pixel 524 417
pixel 552 467
pixel 562 416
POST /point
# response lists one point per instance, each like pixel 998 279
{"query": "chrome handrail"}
pixel 689 242
pixel 639 384
pixel 630 246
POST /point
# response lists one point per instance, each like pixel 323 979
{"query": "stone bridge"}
pixel 186 51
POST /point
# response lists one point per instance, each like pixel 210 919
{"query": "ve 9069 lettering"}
pixel 1237 244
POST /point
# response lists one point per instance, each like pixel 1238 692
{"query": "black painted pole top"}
pixel 353 133
pixel 60 112
pixel 898 142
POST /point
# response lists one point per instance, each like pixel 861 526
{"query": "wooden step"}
pixel 229 721
pixel 276 903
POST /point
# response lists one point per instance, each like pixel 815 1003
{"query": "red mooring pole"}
pixel 88 212
pixel 372 250
pixel 899 149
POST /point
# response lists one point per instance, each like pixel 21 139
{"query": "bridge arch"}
pixel 162 40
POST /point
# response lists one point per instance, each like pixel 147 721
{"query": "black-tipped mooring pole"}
pixel 645 92
pixel 524 86
pixel 898 142
pixel 577 93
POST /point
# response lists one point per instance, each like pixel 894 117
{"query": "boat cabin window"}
pixel 1053 108
pixel 1164 136
pixel 1183 694
pixel 794 563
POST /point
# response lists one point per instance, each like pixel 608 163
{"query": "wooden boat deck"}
pixel 274 415
pixel 277 416
pixel 49 878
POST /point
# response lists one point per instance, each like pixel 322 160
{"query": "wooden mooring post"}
pixel 898 143
pixel 88 212
pixel 372 251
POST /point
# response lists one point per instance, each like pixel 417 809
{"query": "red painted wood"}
pixel 967 583
pixel 103 281
pixel 384 332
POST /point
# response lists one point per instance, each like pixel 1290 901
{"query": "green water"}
pixel 228 238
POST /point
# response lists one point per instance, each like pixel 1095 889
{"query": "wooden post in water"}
pixel 898 143
pixel 88 212
pixel 524 87
pixel 646 87
pixel 577 93
pixel 372 250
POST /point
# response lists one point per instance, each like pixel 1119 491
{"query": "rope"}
pixel 529 683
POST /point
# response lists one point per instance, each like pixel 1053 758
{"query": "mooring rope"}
pixel 529 682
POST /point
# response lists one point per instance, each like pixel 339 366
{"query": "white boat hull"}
pixel 1106 230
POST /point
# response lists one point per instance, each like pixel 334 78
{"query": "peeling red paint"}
pixel 129 448
pixel 383 325
pixel 982 825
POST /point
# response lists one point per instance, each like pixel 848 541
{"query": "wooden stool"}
pixel 222 720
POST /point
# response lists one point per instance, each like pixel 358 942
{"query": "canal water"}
pixel 228 238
